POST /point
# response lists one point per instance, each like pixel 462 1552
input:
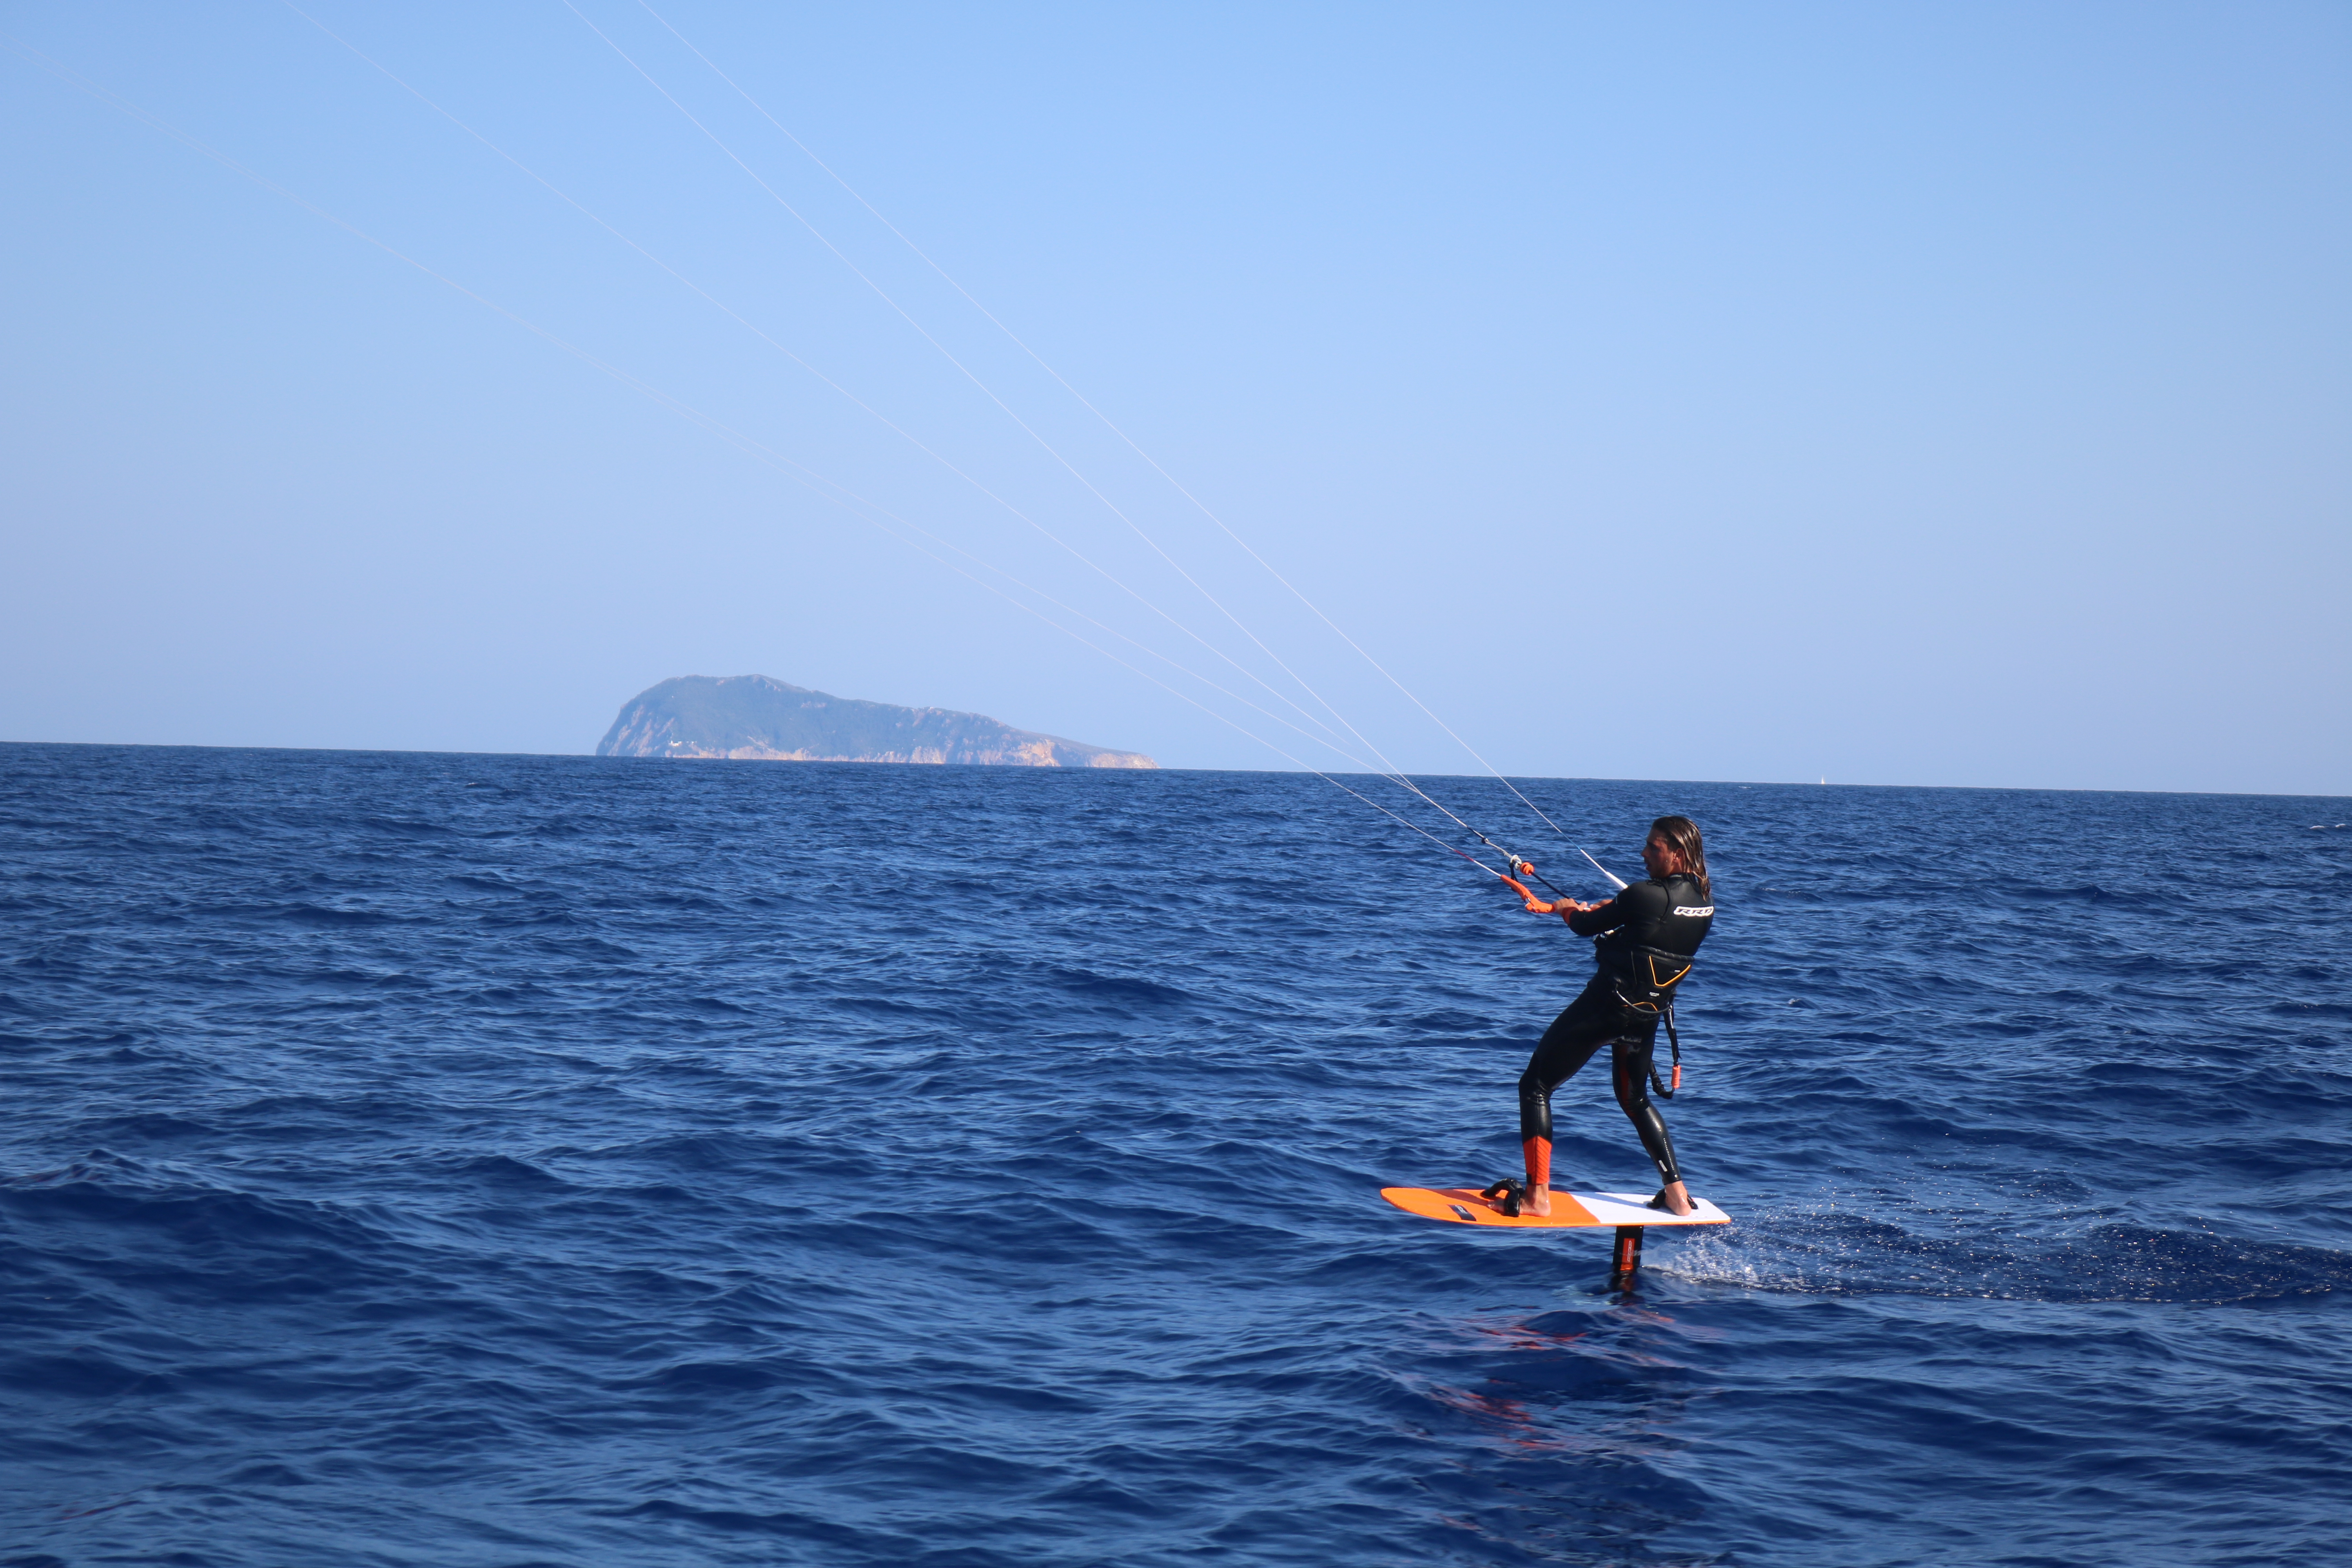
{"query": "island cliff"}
pixel 754 717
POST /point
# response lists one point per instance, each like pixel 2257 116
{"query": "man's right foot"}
pixel 1535 1201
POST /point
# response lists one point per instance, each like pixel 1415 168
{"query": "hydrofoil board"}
pixel 1570 1211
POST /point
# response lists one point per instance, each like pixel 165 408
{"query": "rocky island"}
pixel 765 719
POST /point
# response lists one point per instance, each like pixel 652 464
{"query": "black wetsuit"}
pixel 1653 928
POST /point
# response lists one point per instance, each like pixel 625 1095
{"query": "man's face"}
pixel 1657 856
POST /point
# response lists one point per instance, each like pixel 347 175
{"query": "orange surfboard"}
pixel 1570 1211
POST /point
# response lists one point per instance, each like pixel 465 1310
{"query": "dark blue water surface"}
pixel 468 1160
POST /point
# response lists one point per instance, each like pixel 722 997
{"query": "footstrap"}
pixel 1504 1195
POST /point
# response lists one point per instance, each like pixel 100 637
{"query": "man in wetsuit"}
pixel 1646 937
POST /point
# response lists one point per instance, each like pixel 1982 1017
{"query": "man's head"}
pixel 1675 847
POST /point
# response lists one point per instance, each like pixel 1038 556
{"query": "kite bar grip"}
pixel 1533 903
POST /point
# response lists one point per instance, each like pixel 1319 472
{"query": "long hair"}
pixel 1681 834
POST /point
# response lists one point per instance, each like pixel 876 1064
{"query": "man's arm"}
pixel 1584 920
pixel 1591 919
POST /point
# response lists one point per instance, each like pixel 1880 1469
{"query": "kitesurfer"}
pixel 1644 939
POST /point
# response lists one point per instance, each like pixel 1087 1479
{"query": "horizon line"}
pixel 1291 773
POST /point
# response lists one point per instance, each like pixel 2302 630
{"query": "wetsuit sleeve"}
pixel 1592 922
pixel 1630 904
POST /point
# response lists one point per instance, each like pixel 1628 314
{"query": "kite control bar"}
pixel 1523 868
pixel 1519 867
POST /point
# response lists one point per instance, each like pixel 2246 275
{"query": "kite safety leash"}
pixel 1667 1091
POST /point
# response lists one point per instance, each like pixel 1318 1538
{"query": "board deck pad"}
pixel 1570 1211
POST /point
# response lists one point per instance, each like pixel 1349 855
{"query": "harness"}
pixel 1654 974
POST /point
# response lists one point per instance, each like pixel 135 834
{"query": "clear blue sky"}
pixel 1914 394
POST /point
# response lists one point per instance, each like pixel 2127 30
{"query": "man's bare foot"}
pixel 1535 1200
pixel 1675 1198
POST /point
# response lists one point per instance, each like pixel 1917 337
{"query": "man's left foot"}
pixel 1675 1200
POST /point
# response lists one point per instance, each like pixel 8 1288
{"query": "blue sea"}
pixel 454 1160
